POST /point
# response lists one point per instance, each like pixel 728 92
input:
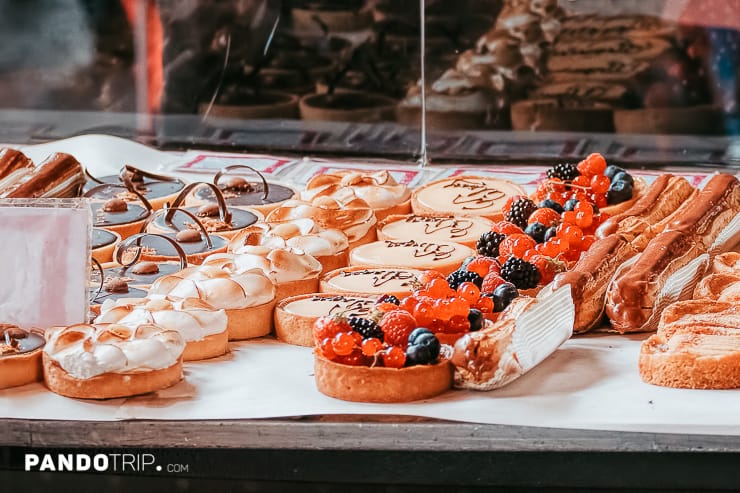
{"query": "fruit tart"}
pixel 391 360
pixel 105 361
pixel 248 297
pixel 202 327
pixel 295 316
pixel 378 188
pixel 216 216
pixel 261 196
pixel 20 356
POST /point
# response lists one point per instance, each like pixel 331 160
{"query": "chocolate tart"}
pixel 109 288
pixel 20 356
pixel 141 274
pixel 103 244
pixel 349 106
pixel 294 316
pixel 367 384
pixel 196 243
pixel 157 189
pixel 116 214
pixel 216 217
pixel 261 196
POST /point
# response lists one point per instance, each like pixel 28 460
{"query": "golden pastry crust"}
pixel 251 322
pixel 109 385
pixel 366 384
pixel 20 369
pixel 211 346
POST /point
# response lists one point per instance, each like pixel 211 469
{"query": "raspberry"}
pixel 482 265
pixel 488 243
pixel 460 276
pixel 520 211
pixel 545 215
pixel 396 326
pixel 328 326
pixel 516 245
pixel 490 282
pixel 429 275
pixel 547 267
pixel 520 273
pixel 506 228
pixel 366 328
pixel 594 164
pixel 563 171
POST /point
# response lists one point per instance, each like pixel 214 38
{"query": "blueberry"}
pixel 570 204
pixel 465 263
pixel 475 317
pixel 550 233
pixel 551 204
pixel 612 170
pixel 536 231
pixel 619 191
pixel 503 295
pixel 624 176
pixel 423 347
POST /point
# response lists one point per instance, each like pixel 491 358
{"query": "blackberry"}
pixel 460 276
pixel 388 298
pixel 520 273
pixel 366 328
pixel 564 171
pixel 488 243
pixel 520 211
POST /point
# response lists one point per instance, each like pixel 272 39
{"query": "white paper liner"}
pixel 539 331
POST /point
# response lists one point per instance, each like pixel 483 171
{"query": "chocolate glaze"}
pixel 164 248
pixel 239 219
pixel 12 160
pixel 101 238
pixel 458 227
pixel 164 270
pixel 55 170
pixel 276 193
pixel 637 286
pixel 134 213
pixel 14 340
pixel 475 195
pixel 355 308
pixel 424 249
pixel 149 188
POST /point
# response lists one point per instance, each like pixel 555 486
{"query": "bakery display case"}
pixel 386 244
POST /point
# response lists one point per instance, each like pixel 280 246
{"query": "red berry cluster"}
pixel 590 185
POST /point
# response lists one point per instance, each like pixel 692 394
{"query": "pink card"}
pixel 44 261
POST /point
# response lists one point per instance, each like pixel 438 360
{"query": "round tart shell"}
pixel 104 254
pixel 423 210
pixel 399 217
pixel 325 287
pixel 295 288
pixel 365 384
pixel 398 209
pixel 20 369
pixel 298 329
pixel 251 322
pixel 211 346
pixel 109 385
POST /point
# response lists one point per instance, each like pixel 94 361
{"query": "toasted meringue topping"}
pixel 353 216
pixel 85 351
pixel 216 286
pixel 303 234
pixel 279 264
pixel 379 189
pixel 193 318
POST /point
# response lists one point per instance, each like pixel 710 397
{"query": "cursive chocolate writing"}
pixel 425 249
pixel 458 227
pixel 383 277
pixel 478 195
